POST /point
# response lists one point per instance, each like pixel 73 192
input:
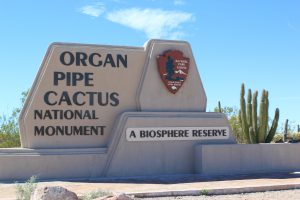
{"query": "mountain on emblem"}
pixel 173 68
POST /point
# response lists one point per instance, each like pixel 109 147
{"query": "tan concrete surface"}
pixel 177 185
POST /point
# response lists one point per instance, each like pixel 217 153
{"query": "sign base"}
pixel 124 157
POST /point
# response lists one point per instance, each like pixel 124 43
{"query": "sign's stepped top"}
pixel 152 93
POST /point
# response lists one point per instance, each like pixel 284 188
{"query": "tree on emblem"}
pixel 169 69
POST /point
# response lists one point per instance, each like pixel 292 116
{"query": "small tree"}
pixel 9 126
pixel 232 115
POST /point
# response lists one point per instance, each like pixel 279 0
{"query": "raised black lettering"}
pixel 81 59
pixel 103 98
pixel 38 114
pixel 50 130
pixel 58 76
pixel 88 77
pixel 76 76
pixel 132 134
pixel 92 60
pixel 70 59
pixel 46 98
pixel 75 98
pixel 195 133
pixel 224 133
pixel 65 98
pixel 114 99
pixel 39 131
pixel 122 59
pixel 109 60
pixel 91 97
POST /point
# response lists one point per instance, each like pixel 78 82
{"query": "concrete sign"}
pixel 114 111
pixel 81 89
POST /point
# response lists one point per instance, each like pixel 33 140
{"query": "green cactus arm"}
pixel 267 113
pixel 285 133
pixel 254 116
pixel 261 114
pixel 219 107
pixel 244 123
pixel 273 127
pixel 251 135
pixel 240 117
pixel 249 108
pixel 263 118
pixel 286 126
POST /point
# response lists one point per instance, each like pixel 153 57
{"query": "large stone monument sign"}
pixel 121 111
pixel 80 90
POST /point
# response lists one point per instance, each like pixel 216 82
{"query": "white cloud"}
pixel 156 23
pixel 93 10
pixel 179 2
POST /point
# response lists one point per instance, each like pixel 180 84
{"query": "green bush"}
pixel 296 137
pixel 95 194
pixel 232 114
pixel 25 190
pixel 204 192
pixel 9 127
pixel 291 138
pixel 278 138
pixel 8 140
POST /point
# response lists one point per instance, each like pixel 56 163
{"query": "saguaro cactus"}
pixel 219 107
pixel 243 115
pixel 255 128
pixel 285 133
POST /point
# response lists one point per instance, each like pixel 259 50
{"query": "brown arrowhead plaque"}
pixel 173 68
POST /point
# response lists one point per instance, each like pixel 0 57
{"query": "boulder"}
pixel 53 193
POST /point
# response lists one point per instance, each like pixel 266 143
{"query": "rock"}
pixel 53 193
pixel 116 197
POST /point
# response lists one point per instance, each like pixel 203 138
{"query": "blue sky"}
pixel 252 41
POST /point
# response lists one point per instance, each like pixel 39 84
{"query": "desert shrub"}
pixel 278 138
pixel 95 194
pixel 8 140
pixel 296 137
pixel 9 127
pixel 290 136
pixel 25 190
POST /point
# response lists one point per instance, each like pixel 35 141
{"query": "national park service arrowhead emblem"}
pixel 173 68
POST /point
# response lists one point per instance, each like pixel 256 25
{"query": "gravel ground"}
pixel 270 195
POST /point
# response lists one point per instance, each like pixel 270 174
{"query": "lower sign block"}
pixel 156 155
